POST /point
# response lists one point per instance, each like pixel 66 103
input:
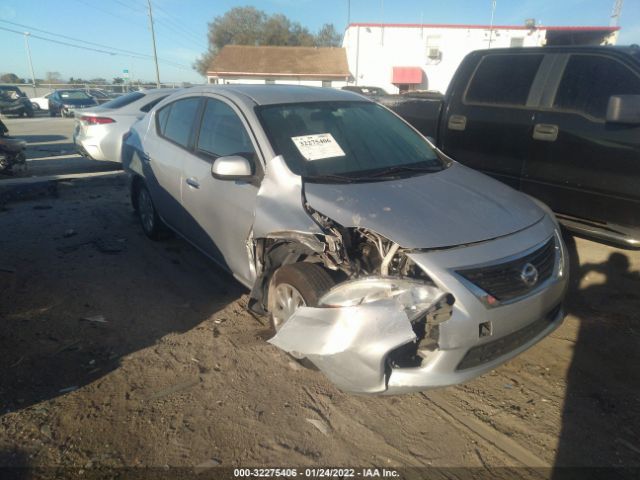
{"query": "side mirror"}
pixel 624 109
pixel 233 167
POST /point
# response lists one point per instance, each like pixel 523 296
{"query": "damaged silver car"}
pixel 389 266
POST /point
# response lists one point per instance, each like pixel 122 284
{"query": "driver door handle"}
pixel 192 182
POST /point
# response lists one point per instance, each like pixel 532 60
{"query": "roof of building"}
pixel 486 27
pixel 261 61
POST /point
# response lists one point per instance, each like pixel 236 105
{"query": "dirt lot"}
pixel 118 351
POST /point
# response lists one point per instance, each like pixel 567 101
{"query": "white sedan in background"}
pixel 98 131
pixel 40 103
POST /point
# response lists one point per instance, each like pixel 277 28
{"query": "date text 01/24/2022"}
pixel 315 472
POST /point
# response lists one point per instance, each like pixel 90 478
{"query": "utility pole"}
pixel 33 77
pixel 348 13
pixel 153 38
pixel 493 11
pixel 615 13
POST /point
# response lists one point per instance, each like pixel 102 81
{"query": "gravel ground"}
pixel 118 351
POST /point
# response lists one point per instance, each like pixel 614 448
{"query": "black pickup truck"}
pixel 559 123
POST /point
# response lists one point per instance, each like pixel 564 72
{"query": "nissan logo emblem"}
pixel 529 275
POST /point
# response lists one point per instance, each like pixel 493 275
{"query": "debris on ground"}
pixel 95 319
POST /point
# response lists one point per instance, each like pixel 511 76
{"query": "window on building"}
pixel 179 121
pixel 517 42
pixel 503 79
pixel 222 132
pixel 326 83
pixel 589 81
pixel 433 47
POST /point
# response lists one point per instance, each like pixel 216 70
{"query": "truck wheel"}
pixel 294 286
pixel 149 219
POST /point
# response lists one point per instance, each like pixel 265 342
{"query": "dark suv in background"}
pixel 13 101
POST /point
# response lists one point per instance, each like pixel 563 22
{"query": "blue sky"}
pixel 181 27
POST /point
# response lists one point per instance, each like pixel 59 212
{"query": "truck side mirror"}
pixel 624 109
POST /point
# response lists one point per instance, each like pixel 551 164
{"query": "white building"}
pixel 314 66
pixel 400 57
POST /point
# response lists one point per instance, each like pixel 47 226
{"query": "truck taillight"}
pixel 96 120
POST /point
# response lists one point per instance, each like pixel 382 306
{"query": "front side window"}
pixel 180 120
pixel 503 79
pixel 590 80
pixel 222 132
pixel 341 141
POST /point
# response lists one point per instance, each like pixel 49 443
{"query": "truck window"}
pixel 503 79
pixel 590 80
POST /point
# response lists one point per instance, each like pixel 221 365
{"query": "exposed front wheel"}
pixel 294 286
pixel 149 219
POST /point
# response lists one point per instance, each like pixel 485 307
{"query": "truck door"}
pixel 581 165
pixel 487 125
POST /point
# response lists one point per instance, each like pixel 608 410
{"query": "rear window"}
pixel 124 100
pixel 181 121
pixel 74 95
pixel 151 104
pixel 503 79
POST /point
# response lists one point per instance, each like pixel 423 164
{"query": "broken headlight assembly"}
pixel 425 306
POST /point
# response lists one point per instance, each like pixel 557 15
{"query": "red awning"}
pixel 411 75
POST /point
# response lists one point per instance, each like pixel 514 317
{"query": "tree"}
pixel 52 77
pixel 10 78
pixel 250 26
pixel 118 81
pixel 328 37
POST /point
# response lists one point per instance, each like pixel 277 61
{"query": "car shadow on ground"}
pixel 81 288
pixel 600 415
pixel 14 465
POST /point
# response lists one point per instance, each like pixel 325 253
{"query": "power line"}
pixel 59 42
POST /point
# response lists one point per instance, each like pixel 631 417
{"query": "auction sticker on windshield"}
pixel 317 147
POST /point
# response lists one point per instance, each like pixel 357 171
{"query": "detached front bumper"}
pixel 353 345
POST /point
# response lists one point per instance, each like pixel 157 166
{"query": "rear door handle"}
pixel 457 122
pixel 192 182
pixel 545 132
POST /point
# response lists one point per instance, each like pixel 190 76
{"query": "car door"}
pixel 223 210
pixel 488 124
pixel 586 167
pixel 167 143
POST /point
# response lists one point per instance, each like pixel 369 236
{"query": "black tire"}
pixel 30 113
pixel 146 211
pixel 309 279
pixel 35 106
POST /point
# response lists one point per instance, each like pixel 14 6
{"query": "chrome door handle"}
pixel 545 132
pixel 192 182
pixel 457 122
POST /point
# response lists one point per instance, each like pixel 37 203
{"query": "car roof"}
pixel 278 94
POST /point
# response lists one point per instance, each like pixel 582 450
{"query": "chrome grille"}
pixel 505 280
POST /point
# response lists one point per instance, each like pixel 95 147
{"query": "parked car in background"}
pixel 66 102
pixel 41 103
pixel 98 131
pixel 368 91
pixel 559 123
pixel 101 96
pixel 389 266
pixel 13 101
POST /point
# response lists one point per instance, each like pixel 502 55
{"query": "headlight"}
pixel 415 297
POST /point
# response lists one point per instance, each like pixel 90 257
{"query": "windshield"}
pixel 346 140
pixel 123 100
pixel 74 95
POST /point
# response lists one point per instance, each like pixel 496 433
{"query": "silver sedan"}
pixel 98 131
pixel 385 263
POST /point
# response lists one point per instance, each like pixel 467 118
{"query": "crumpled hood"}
pixel 453 207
